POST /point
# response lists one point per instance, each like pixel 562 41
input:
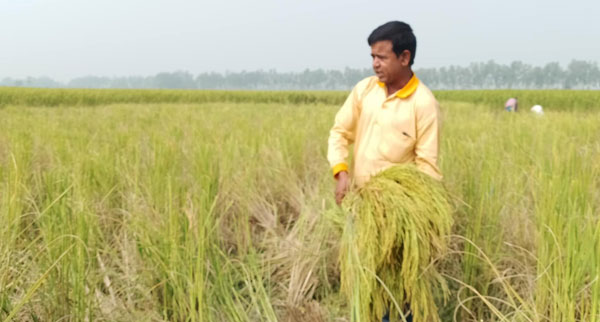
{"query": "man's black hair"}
pixel 401 36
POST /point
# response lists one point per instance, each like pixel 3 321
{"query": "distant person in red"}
pixel 511 105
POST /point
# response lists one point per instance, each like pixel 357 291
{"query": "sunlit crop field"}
pixel 218 206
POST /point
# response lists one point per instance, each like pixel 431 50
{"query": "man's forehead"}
pixel 382 45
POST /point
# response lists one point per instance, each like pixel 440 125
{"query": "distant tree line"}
pixel 485 75
pixel 490 75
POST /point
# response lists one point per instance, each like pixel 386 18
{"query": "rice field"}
pixel 218 206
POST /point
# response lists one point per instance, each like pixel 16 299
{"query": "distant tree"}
pixel 90 82
pixel 177 79
pixel 582 75
pixel 554 76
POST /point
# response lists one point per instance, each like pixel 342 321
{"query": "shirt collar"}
pixel 408 89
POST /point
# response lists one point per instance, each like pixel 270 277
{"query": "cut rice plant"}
pixel 396 227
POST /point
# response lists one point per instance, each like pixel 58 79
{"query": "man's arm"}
pixel 428 137
pixel 342 134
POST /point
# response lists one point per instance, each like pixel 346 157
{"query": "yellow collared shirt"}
pixel 386 130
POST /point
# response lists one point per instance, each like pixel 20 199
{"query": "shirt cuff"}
pixel 339 168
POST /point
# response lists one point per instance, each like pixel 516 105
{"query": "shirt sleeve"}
pixel 428 137
pixel 343 132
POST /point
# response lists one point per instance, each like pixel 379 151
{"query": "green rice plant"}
pixel 217 206
pixel 398 225
pixel 522 185
pixel 558 100
pixel 95 97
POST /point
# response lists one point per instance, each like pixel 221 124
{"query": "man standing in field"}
pixel 391 118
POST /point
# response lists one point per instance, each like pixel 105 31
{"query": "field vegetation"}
pixel 126 205
pixel 558 100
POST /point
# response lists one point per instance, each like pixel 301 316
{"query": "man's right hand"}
pixel 341 187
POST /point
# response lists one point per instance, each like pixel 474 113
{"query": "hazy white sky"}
pixel 69 38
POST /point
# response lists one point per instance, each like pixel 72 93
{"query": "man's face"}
pixel 386 64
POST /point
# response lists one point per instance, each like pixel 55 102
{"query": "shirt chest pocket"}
pixel 398 140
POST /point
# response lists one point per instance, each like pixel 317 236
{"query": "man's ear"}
pixel 405 57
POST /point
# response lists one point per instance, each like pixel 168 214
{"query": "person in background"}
pixel 511 105
pixel 537 109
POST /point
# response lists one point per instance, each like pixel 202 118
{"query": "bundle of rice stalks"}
pixel 395 228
